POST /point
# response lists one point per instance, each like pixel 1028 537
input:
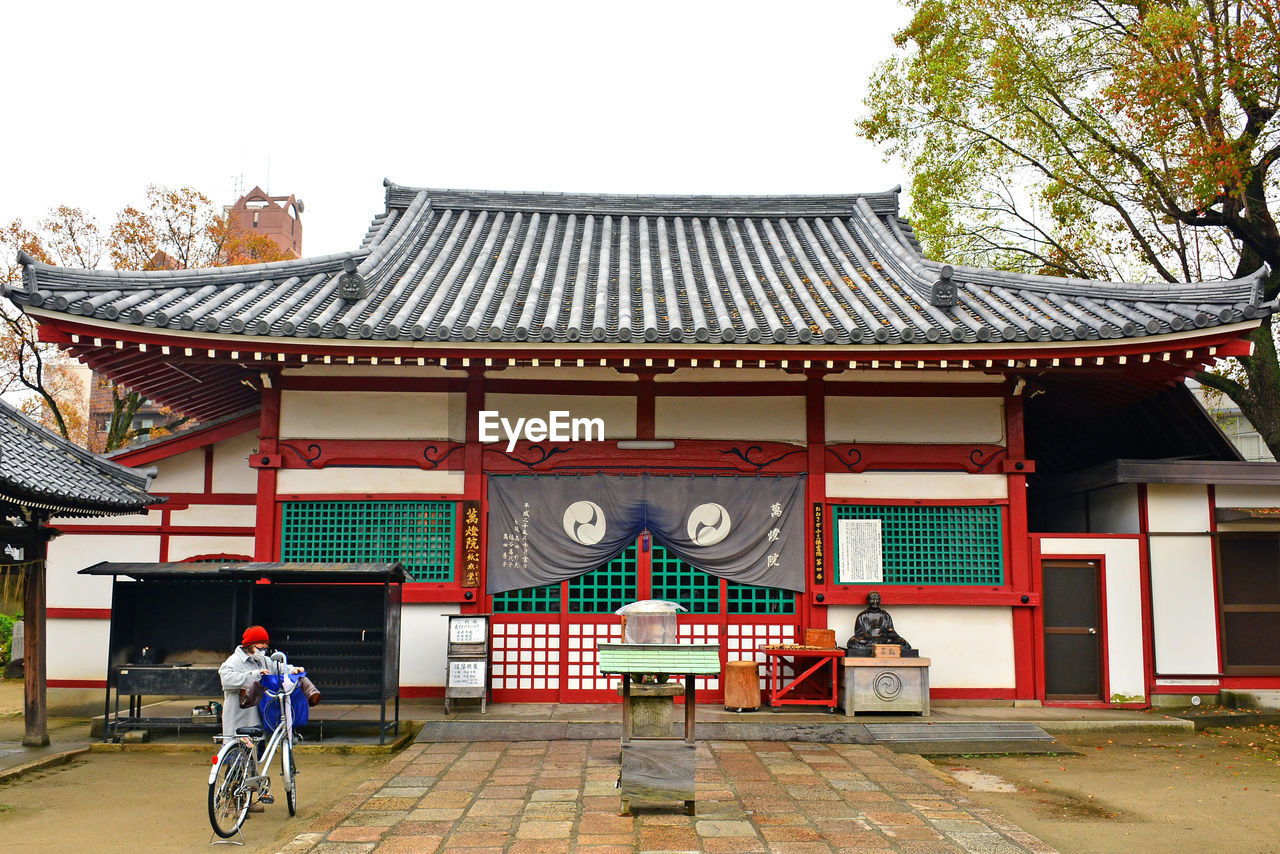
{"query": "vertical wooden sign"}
pixel 819 551
pixel 471 544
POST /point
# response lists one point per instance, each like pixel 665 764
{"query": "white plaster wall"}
pixel 77 649
pixel 1114 510
pixel 231 472
pixel 216 515
pixel 183 473
pixel 424 643
pixel 367 481
pixel 1242 495
pixel 618 411
pixel 924 485
pixel 181 548
pixel 1177 507
pixel 1182 605
pixel 915 419
pixel 766 419
pixel 372 415
pixel 71 553
pixel 967 646
pixel 1122 573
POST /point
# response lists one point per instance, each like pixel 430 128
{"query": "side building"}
pixel 794 408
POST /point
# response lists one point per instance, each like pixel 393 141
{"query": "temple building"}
pixel 547 406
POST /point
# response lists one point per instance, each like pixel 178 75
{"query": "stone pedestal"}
pixel 886 685
pixel 652 708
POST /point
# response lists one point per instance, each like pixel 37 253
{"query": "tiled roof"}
pixel 39 469
pixel 465 266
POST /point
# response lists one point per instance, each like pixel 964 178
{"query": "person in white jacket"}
pixel 245 666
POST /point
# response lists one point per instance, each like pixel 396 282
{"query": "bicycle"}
pixel 234 777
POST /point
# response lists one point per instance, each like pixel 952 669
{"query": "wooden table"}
pixel 819 664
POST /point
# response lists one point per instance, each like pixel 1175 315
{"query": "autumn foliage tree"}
pixel 1117 139
pixel 176 229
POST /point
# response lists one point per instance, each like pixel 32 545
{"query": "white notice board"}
pixel 466 674
pixel 468 630
pixel 861 551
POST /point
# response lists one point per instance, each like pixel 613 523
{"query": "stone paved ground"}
pixel 558 797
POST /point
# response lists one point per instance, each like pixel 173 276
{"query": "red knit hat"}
pixel 254 634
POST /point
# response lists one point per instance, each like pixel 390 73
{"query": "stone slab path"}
pixel 558 797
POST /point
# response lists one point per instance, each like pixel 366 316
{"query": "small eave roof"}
pixel 461 266
pixel 336 573
pixel 39 469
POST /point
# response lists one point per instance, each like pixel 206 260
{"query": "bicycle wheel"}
pixel 228 798
pixel 290 780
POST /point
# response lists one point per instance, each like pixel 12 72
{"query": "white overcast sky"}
pixel 325 100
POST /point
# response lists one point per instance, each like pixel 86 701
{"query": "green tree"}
pixel 1118 139
pixel 176 229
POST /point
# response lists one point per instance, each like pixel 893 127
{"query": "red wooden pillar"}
pixel 815 615
pixel 473 477
pixel 267 462
pixel 1020 571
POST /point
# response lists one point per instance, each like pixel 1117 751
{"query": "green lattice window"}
pixel 934 544
pixel 418 534
pixel 676 581
pixel 749 599
pixel 606 588
pixel 528 600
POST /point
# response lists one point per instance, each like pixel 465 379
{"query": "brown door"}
pixel 1072 631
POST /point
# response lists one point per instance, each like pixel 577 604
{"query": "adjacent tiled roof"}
pixel 464 266
pixel 39 469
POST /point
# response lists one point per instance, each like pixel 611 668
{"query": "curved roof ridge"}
pixel 399 195
pixel 924 272
pixel 36 271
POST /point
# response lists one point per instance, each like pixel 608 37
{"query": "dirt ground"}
pixel 113 803
pixel 1215 790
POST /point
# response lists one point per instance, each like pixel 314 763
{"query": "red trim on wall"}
pixel 162 530
pixel 384 383
pixel 1144 577
pixel 974 459
pixel 646 405
pixel 1025 663
pixel 166 523
pixel 368 496
pixel 813 614
pixel 419 692
pixel 896 594
pixel 689 456
pixel 1206 688
pixel 267 525
pixel 1220 621
pixel 909 389
pixel 301 453
pixel 973 693
pixel 184 500
pixel 188 440
pixel 1257 683
pixel 423 592
pixel 78 613
pixel 76 683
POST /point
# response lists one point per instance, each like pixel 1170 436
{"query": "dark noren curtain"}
pixel 548 528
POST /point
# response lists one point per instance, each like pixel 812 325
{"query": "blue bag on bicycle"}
pixel 269 709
